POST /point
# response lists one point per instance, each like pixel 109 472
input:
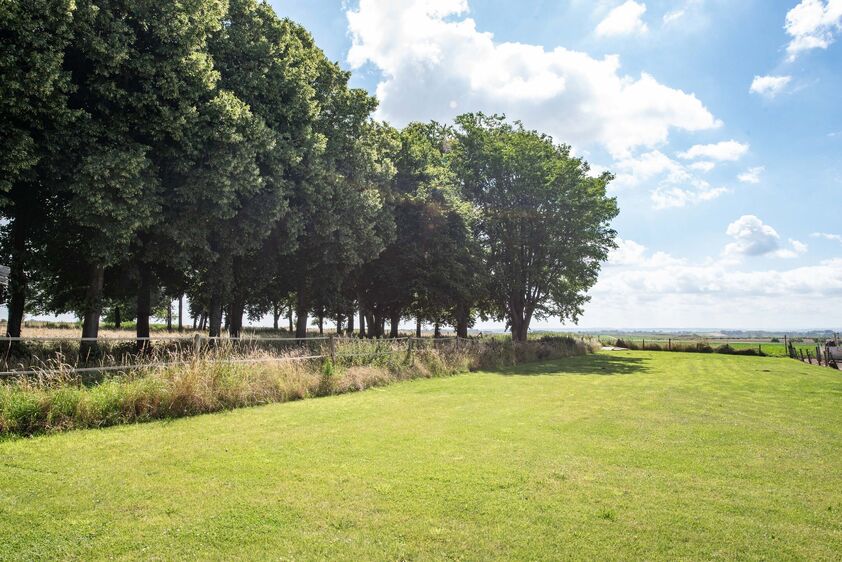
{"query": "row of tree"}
pixel 207 148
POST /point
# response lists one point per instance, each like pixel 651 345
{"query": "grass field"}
pixel 612 456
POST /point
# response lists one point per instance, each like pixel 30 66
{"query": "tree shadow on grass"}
pixel 598 364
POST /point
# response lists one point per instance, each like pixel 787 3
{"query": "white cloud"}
pixel 752 237
pixel 675 184
pixel 703 166
pixel 665 197
pixel 431 54
pixel 625 19
pixel 717 277
pixel 630 253
pixel 827 236
pixel 812 24
pixel 725 150
pixel 795 249
pixel 632 270
pixel 674 16
pixel 769 86
pixel 635 170
pixel 635 289
pixel 752 175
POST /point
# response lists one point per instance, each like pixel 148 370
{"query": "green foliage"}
pixel 209 148
pixel 34 85
pixel 543 220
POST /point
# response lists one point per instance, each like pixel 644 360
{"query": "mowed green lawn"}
pixel 614 456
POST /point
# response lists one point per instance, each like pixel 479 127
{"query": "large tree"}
pixel 544 221
pixel 33 109
pixel 272 65
pixel 139 70
pixel 432 267
pixel 339 189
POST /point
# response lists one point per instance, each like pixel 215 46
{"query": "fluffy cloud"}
pixel 720 278
pixel 625 19
pixel 769 86
pixel 630 253
pixel 726 150
pixel 703 166
pixel 675 184
pixel 642 288
pixel 634 170
pixel 752 175
pixel 633 269
pixel 674 16
pixel 827 236
pixel 665 197
pixel 795 249
pixel 752 237
pixel 812 24
pixel 435 64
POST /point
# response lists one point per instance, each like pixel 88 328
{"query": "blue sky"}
pixel 722 120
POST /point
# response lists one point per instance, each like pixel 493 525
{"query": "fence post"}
pixel 332 349
pixel 197 344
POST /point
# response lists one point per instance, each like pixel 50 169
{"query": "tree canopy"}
pixel 209 149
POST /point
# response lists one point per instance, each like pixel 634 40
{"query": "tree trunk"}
pixel 215 314
pixel 301 315
pixel 118 319
pixel 462 318
pixel 235 318
pixel 276 314
pixel 519 318
pixel 321 324
pixel 437 330
pixel 169 315
pixel 373 321
pixel 180 313
pixel 362 321
pixel 418 327
pixel 195 323
pixel 339 321
pixel 291 324
pixel 350 330
pixel 93 308
pixel 144 307
pixel 394 324
pixel 17 279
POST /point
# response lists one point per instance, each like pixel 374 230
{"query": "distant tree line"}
pixel 153 150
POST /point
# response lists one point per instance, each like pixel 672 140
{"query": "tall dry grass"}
pixel 223 378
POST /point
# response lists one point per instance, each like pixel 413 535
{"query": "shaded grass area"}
pixel 611 456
